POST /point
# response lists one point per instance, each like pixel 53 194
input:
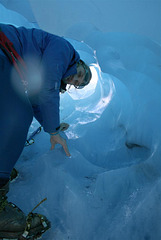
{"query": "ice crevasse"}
pixel 110 187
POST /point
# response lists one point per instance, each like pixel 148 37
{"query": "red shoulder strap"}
pixel 7 47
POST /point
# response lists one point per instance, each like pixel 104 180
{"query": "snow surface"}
pixel 110 187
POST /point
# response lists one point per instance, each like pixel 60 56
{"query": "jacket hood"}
pixel 72 68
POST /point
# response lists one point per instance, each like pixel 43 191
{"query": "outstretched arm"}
pixel 55 61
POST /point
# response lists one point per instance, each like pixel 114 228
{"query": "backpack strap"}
pixel 7 47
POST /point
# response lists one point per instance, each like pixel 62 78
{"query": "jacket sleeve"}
pixel 55 60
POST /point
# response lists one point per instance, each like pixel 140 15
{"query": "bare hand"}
pixel 57 139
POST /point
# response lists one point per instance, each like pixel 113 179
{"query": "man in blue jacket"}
pixel 51 63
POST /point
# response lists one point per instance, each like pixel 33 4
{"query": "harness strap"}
pixel 7 47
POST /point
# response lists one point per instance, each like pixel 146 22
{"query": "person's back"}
pixel 27 41
pixel 48 57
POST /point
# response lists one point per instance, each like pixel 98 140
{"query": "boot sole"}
pixel 35 233
pixel 38 236
pixel 31 238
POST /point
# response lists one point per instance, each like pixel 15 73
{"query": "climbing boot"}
pixel 15 225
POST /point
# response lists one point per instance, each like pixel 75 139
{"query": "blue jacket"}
pixel 58 59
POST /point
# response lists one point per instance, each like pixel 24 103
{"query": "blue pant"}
pixel 15 118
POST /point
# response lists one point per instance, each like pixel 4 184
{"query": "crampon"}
pixel 35 225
